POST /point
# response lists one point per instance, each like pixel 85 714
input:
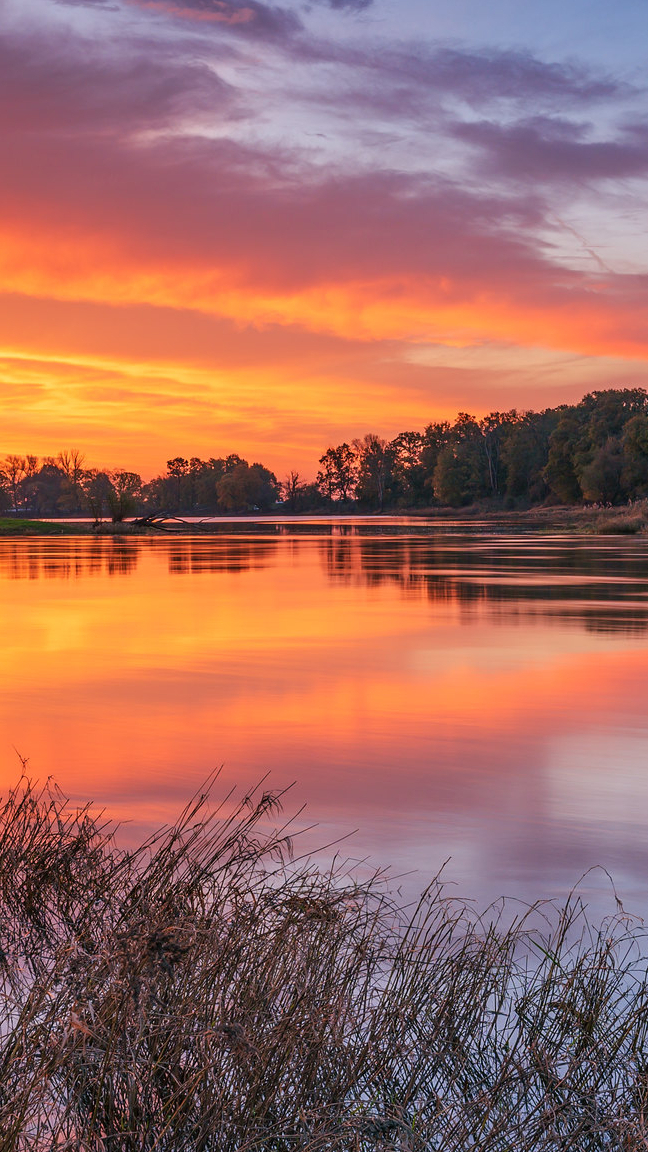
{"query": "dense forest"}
pixel 595 451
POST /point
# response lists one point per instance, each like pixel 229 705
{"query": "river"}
pixel 436 692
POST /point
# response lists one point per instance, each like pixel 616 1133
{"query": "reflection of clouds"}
pixel 600 779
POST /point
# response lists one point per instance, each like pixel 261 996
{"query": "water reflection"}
pixel 194 556
pixel 69 558
pixel 600 584
pixel 604 587
pixel 479 697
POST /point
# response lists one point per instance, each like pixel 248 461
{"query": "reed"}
pixel 207 992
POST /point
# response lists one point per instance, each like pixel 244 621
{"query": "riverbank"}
pixel 592 521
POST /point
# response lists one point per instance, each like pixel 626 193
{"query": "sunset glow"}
pixel 230 226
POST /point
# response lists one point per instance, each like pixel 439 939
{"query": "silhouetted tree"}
pixel 374 459
pixel 14 471
pixel 457 479
pixel 126 490
pixel 338 472
pixel 71 461
pixel 407 469
pixel 524 455
pixel 635 456
pixel 248 488
pixel 97 489
pixel 560 472
pixel 601 479
pixel 494 429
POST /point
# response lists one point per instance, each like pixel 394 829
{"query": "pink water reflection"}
pixel 475 698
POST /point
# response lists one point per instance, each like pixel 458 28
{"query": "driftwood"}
pixel 167 522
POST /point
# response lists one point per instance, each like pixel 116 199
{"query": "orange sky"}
pixel 206 246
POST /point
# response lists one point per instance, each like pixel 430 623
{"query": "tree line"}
pixel 595 451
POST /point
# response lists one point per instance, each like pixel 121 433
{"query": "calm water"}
pixel 477 696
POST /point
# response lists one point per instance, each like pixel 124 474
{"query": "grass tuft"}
pixel 205 993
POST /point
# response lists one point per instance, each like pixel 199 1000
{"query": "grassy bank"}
pixel 10 526
pixel 205 993
pixel 626 519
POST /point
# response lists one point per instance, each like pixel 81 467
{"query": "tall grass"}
pixel 203 992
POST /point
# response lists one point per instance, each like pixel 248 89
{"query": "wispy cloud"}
pixel 348 5
pixel 237 15
pixel 400 74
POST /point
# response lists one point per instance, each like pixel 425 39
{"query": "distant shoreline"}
pixel 622 520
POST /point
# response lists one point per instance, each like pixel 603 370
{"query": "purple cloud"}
pixel 547 150
pixel 112 7
pixel 411 76
pixel 242 16
pixel 52 85
pixel 349 5
pixel 250 17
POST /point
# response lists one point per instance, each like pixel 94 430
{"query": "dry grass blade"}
pixel 205 993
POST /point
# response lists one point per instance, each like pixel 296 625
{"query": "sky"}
pixel 241 226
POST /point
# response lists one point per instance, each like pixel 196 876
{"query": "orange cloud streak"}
pixel 411 308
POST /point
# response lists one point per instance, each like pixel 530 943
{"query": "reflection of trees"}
pixel 605 589
pixel 189 556
pixel 67 559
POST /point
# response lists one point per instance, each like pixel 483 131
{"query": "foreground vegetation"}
pixel 204 993
pixel 595 451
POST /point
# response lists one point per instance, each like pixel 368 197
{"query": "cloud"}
pixel 349 5
pixel 109 4
pixel 544 149
pixel 50 86
pixel 243 16
pixel 398 79
pixel 215 227
pixel 115 192
pixel 251 17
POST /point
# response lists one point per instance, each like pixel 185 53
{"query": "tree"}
pixel 524 455
pixel 560 472
pixel 374 460
pixel 71 461
pixel 47 489
pixel 494 429
pixel 435 438
pixel 408 472
pixel 290 490
pixel 248 488
pixel 177 470
pixel 601 479
pixel 14 471
pixel 457 478
pixel 635 456
pixel 97 489
pixel 125 491
pixel 338 472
